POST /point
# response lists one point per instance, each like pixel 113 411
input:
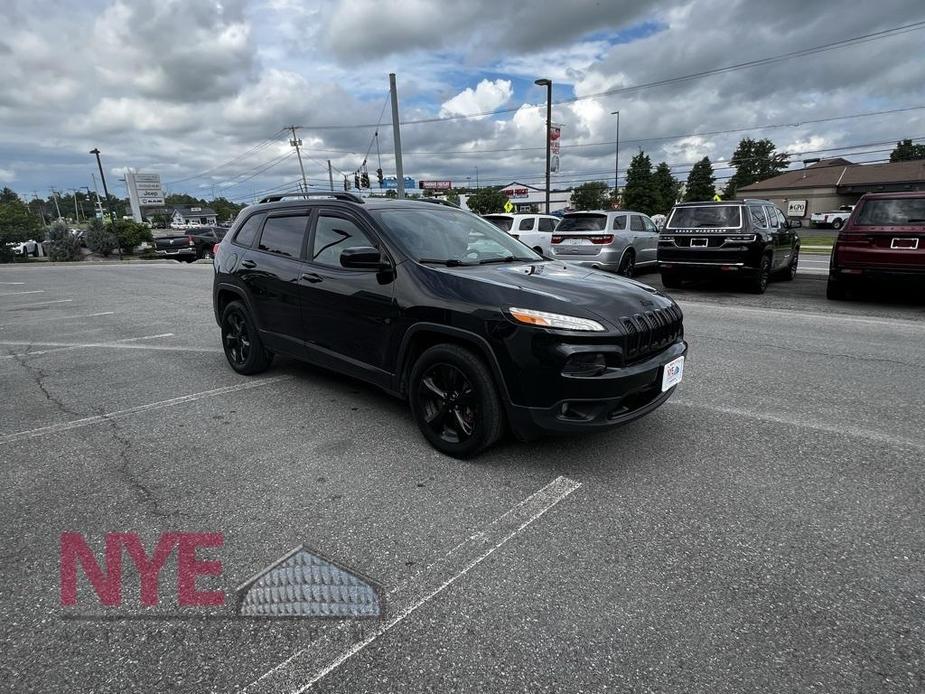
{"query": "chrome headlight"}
pixel 554 320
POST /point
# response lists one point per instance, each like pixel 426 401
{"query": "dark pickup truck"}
pixel 190 246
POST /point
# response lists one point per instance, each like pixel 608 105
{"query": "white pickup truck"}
pixel 835 219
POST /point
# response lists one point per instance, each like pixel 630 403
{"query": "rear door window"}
pixel 526 224
pixel 636 223
pixel 583 222
pixel 284 235
pixel 895 212
pixel 547 224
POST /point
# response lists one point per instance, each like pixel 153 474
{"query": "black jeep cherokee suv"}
pixel 745 239
pixel 438 306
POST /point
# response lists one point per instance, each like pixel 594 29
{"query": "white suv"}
pixel 535 230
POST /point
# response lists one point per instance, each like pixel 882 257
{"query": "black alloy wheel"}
pixel 759 283
pixel 243 347
pixel 454 401
pixel 450 409
pixel 627 264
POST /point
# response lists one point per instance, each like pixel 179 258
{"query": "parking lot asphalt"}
pixel 760 532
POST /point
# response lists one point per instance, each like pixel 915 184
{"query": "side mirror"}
pixel 361 258
pixel 794 224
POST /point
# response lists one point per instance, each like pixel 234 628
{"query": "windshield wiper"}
pixel 508 259
pixel 449 262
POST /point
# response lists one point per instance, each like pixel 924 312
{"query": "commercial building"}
pixel 831 183
pixel 526 198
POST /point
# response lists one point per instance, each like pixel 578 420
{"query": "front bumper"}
pixel 596 403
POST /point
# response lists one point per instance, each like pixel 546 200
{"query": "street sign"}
pixel 508 206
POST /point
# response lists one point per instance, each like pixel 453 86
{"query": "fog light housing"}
pixel 585 364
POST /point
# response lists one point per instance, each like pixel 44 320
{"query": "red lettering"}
pixel 108 586
pixel 149 570
pixel 188 568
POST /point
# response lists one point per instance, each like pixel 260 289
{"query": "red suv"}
pixel 883 237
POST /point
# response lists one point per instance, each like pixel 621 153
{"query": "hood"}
pixel 557 287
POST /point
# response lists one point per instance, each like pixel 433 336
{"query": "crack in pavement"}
pixel 39 377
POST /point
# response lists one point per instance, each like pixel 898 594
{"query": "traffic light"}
pixel 364 179
pixel 356 181
pixel 379 176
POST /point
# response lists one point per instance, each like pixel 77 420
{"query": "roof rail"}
pixel 435 201
pixel 337 195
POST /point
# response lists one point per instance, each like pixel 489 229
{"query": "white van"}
pixel 535 230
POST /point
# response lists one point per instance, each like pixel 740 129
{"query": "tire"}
pixel 835 290
pixel 837 224
pixel 454 401
pixel 759 283
pixel 627 267
pixel 243 347
pixel 791 270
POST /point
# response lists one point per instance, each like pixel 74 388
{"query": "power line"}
pixel 864 38
pixel 261 145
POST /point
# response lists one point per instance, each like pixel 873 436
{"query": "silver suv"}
pixel 614 240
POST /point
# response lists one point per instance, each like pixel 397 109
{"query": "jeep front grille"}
pixel 650 332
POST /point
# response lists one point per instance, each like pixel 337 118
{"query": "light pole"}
pixel 616 158
pixel 99 164
pixel 548 84
pixel 476 178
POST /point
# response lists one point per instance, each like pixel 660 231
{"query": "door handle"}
pixel 248 263
pixel 312 277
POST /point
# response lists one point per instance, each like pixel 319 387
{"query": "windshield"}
pixel 896 212
pixel 452 237
pixel 719 216
pixel 583 222
pixel 503 223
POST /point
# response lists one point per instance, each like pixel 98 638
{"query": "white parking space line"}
pixel 40 303
pixel 65 346
pixel 57 318
pixel 120 414
pixel 877 436
pixel 332 649
pixel 728 309
pixel 31 291
pixel 12 282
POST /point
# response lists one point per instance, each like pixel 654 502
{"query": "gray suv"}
pixel 618 241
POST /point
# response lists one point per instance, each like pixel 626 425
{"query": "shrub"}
pixel 62 245
pixel 101 240
pixel 130 234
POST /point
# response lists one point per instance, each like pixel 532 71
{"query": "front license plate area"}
pixel 672 373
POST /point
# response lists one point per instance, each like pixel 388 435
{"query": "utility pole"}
pixel 616 158
pixel 548 84
pixel 331 175
pixel 54 196
pixel 297 143
pixel 396 135
pixel 76 210
pixel 476 178
pixel 99 205
pixel 99 164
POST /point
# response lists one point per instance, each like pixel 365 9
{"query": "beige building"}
pixel 830 183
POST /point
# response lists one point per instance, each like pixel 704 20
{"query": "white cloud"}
pixel 487 96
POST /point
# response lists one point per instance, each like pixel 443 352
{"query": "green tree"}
pixel 17 223
pixel 225 210
pixel 593 195
pixel 62 245
pixel 701 183
pixel 754 160
pixel 639 193
pixel 100 239
pixel 130 234
pixel 453 197
pixel 906 151
pixel 486 201
pixel 666 188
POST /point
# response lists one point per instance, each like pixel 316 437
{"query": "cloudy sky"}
pixel 199 90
